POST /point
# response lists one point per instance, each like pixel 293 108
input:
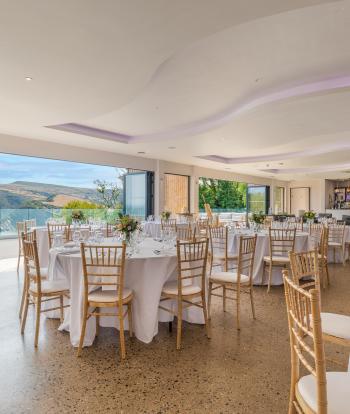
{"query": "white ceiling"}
pixel 227 78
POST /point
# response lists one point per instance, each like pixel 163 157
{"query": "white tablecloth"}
pixel 302 243
pixel 145 274
pixel 153 228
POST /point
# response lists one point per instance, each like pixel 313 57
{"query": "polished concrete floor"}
pixel 246 372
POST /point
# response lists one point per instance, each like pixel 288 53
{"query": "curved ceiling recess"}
pixel 330 167
pixel 220 119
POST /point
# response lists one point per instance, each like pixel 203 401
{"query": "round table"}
pixel 145 274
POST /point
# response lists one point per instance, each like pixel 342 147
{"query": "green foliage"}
pixel 309 215
pixel 221 194
pixel 81 204
pixel 166 215
pixel 109 194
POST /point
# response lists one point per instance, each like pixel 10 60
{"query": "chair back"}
pixel 103 266
pixel 315 230
pixel 55 228
pixel 29 235
pixel 246 255
pixel 110 230
pixel 184 232
pixel 192 259
pixel 306 343
pixel 202 227
pixel 20 229
pixel 169 225
pixel 29 224
pixel 297 225
pixel 281 241
pixel 323 245
pixel 305 266
pixel 31 263
pixel 218 244
pixel 336 233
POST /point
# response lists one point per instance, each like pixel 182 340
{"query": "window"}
pixel 258 199
pixel 278 197
pixel 176 193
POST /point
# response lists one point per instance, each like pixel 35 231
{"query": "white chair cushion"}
pixel 338 386
pixel 49 286
pixel 108 296
pixel 227 277
pixel 336 325
pixel 43 272
pixel 278 259
pixel 171 288
pixel 334 244
pixel 221 256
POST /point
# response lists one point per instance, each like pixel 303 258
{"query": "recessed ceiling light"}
pixel 281 163
pixel 171 147
pixel 141 152
pixel 28 78
pixel 267 165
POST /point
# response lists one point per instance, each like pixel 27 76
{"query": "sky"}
pixel 41 170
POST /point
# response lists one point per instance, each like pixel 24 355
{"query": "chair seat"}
pixel 44 271
pixel 171 288
pixel 227 277
pixel 338 386
pixel 277 259
pixel 51 286
pixel 336 325
pixel 108 296
pixel 334 244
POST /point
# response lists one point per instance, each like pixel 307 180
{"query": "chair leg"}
pixel 327 273
pixel 37 321
pixel 24 292
pixel 83 328
pixel 238 302
pixel 179 324
pixel 252 301
pixel 130 320
pixel 263 273
pixel 224 297
pixel 205 313
pixel 121 334
pixel 343 255
pixel 61 309
pixel 25 312
pixel 270 278
pixel 97 320
pixel 210 287
pixel 18 261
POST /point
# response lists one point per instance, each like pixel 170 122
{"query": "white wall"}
pixel 317 193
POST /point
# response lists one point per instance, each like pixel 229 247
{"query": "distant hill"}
pixel 20 194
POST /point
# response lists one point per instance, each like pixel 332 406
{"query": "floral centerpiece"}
pixel 127 225
pixel 166 215
pixel 309 216
pixel 258 218
pixel 78 215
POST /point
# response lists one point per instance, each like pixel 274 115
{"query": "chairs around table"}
pixel 168 225
pixel 189 288
pixel 320 391
pixel 238 280
pixel 219 250
pixel 37 290
pixel 184 232
pixel 281 242
pixel 104 267
pixel 52 229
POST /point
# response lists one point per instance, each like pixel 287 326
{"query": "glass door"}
pixel 258 198
pixel 138 194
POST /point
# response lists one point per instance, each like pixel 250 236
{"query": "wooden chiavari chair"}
pixel 110 230
pixel 336 240
pixel 297 225
pixel 281 241
pixel 38 291
pixel 315 230
pixel 219 255
pixel 20 229
pixel 104 266
pixel 323 256
pixel 55 228
pixel 202 227
pixel 318 392
pixel 238 281
pixel 29 224
pixel 306 273
pixel 184 232
pixel 189 289
pixel 169 225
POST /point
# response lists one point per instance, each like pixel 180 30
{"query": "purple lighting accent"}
pixel 92 132
pixel 324 149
